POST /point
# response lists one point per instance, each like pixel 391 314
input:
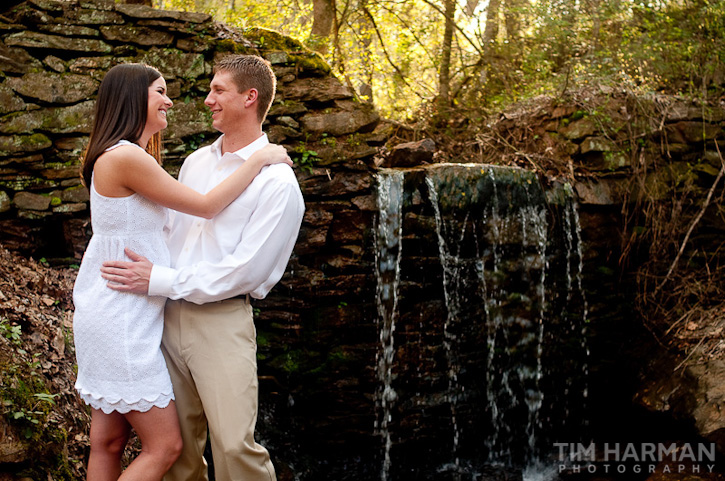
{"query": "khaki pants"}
pixel 210 352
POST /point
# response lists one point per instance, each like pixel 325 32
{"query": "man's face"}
pixel 225 102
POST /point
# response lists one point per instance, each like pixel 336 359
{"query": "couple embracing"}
pixel 165 341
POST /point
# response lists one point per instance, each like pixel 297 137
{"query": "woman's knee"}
pixel 109 442
pixel 159 432
pixel 176 447
pixel 169 451
pixel 109 432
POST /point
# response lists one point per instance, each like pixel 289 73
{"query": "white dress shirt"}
pixel 246 247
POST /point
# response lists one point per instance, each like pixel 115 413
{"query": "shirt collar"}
pixel 244 152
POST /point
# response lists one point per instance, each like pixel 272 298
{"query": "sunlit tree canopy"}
pixel 400 54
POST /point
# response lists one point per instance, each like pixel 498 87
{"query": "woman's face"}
pixel 159 104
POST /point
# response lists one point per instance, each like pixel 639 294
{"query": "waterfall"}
pixel 388 255
pixel 514 343
pixel 482 377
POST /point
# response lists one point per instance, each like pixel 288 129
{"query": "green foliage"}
pixel 11 332
pixel 196 140
pixel 669 46
pixel 25 398
pixel 393 49
pixel 353 140
pixel 306 158
pixel 329 141
pixel 22 389
pixel 26 404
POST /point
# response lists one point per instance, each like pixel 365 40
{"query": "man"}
pixel 209 337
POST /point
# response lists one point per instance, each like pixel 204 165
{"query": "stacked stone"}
pixel 54 55
pixel 610 135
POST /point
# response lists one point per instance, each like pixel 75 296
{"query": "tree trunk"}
pixel 366 32
pixel 323 21
pixel 593 9
pixel 565 48
pixel 471 6
pixel 512 16
pixel 489 40
pixel 323 15
pixel 491 31
pixel 444 79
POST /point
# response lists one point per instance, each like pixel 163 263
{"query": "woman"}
pixel 121 370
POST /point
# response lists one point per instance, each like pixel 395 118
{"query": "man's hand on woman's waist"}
pixel 130 276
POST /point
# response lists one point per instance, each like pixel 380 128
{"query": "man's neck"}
pixel 240 138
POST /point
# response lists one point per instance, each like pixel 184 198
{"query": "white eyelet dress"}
pixel 118 335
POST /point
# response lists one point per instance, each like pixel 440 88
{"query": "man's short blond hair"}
pixel 251 71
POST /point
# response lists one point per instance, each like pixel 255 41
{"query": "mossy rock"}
pixel 466 186
pixel 21 183
pixel 23 143
pixel 296 362
pixel 311 63
pixel 267 39
pixel 175 63
pixel 228 45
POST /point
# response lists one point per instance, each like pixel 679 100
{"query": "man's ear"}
pixel 252 95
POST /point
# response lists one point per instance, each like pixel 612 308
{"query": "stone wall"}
pixel 54 55
pixel 608 140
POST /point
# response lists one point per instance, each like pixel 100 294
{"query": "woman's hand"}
pixel 271 154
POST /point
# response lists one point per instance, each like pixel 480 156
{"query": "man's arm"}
pixel 254 267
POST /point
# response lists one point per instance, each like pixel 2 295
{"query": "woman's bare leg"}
pixel 109 436
pixel 158 430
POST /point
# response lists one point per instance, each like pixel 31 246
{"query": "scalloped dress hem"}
pixel 121 406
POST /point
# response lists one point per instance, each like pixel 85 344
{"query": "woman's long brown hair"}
pixel 120 113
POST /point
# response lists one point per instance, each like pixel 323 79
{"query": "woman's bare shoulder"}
pixel 126 151
pixel 124 155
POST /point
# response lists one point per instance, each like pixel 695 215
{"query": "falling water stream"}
pixel 388 254
pixel 452 266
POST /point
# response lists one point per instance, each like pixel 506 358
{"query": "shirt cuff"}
pixel 160 280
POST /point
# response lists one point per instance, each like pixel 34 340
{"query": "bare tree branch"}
pixel 463 34
pixel 410 30
pixel 387 55
pixel 695 221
